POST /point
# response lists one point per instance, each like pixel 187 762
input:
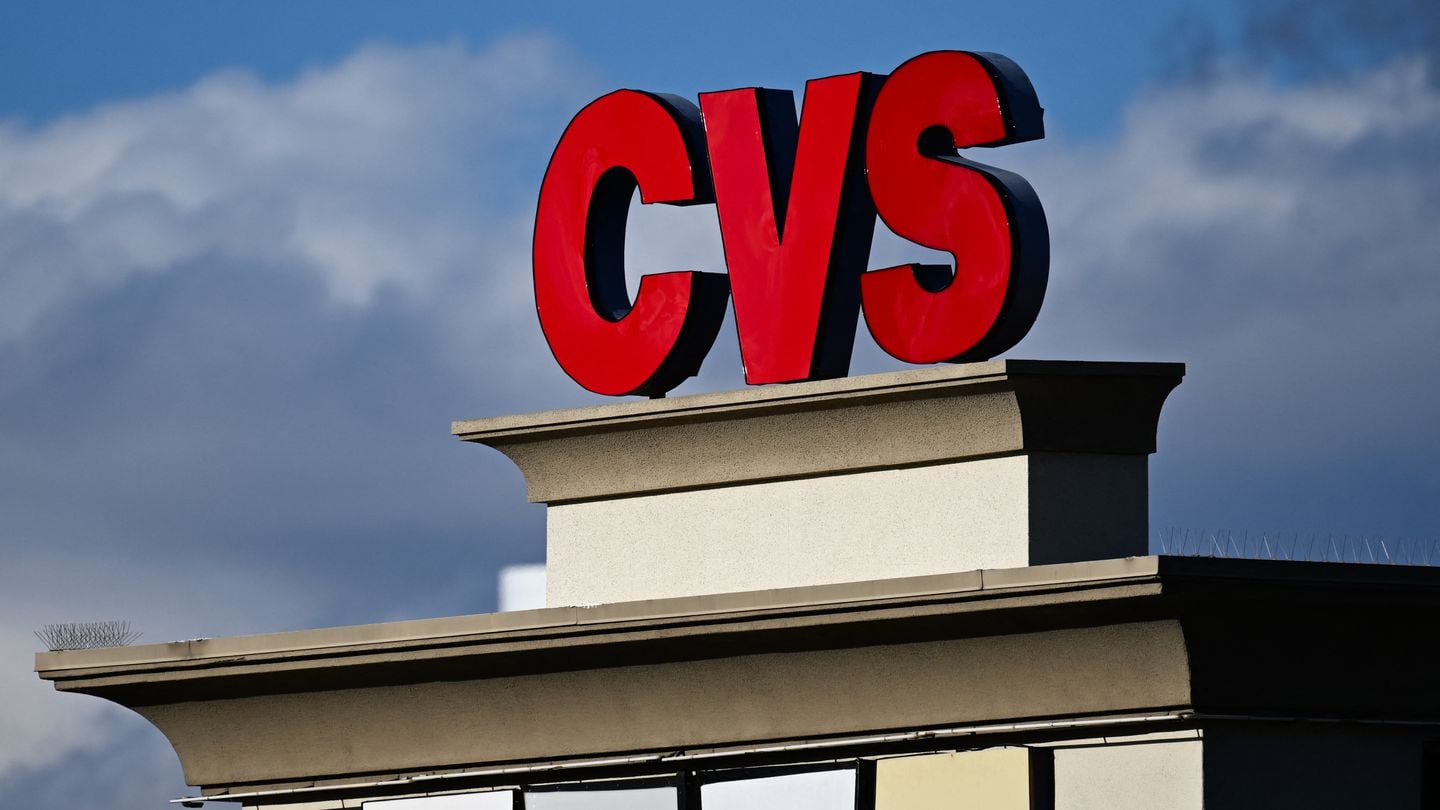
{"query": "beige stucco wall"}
pixel 1002 512
pixel 871 525
pixel 991 779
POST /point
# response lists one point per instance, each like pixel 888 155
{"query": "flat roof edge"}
pixel 762 398
pixel 63 664
pixel 514 626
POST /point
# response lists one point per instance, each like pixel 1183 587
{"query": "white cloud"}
pixel 387 183
pixel 378 171
pixel 1279 239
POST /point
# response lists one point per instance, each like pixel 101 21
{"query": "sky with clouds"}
pixel 254 260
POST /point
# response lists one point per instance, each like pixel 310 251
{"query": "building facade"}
pixel 910 591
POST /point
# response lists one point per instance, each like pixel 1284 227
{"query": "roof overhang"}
pixel 1045 645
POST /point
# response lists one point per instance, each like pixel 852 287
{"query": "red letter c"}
pixel 605 343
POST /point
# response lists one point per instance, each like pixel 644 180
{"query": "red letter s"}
pixel 988 219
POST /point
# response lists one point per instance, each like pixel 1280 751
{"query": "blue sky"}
pixel 1091 57
pixel 255 257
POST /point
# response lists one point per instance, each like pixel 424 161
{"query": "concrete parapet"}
pixel 985 465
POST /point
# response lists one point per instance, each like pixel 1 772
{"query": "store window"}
pixel 493 800
pixel 828 789
pixel 602 796
pixel 993 779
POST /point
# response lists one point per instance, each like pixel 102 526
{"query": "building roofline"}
pixel 418 634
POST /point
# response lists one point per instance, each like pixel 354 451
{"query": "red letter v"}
pixel 796 221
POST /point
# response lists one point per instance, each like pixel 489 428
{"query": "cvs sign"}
pixel 797 204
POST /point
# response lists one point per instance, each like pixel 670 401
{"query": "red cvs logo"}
pixel 797 202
